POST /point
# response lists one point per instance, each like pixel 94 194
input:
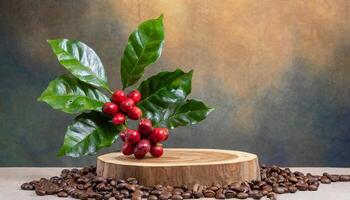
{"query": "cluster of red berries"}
pixel 144 140
pixel 123 105
pixel 138 142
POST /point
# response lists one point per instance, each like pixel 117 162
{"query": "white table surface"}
pixel 12 178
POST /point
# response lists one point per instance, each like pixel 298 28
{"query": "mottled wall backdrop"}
pixel 278 73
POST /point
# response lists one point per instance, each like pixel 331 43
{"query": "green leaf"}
pixel 189 112
pixel 144 47
pixel 89 133
pixel 70 95
pixel 81 61
pixel 164 92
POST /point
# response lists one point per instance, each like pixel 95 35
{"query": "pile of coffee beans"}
pixel 85 184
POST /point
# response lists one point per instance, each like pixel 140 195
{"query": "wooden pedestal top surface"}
pixel 182 166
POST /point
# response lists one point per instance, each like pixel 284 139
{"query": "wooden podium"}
pixel 182 166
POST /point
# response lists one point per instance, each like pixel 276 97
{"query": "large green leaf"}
pixel 72 96
pixel 89 133
pixel 189 112
pixel 81 61
pixel 164 92
pixel 144 47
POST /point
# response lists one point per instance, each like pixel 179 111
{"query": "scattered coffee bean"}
pixel 209 193
pixel 27 186
pixel 279 190
pixel 186 195
pixel 152 197
pixel 242 195
pixel 40 192
pixel 334 178
pixel 197 195
pixel 292 189
pixel 164 195
pixel 344 178
pixel 325 180
pixel 312 188
pixel 230 194
pixel 62 194
pixel 271 196
pixel 85 184
pixel 176 197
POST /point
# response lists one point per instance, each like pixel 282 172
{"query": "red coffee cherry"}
pixel 166 134
pixel 132 136
pixel 110 109
pixel 118 119
pixel 122 134
pixel 135 113
pixel 139 155
pixel 157 150
pixel 127 149
pixel 127 105
pixel 143 147
pixel 145 127
pixel 118 96
pixel 135 95
pixel 157 135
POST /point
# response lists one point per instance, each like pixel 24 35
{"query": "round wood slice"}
pixel 182 166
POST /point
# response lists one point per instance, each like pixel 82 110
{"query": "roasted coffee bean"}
pixel 130 187
pixel 267 188
pixel 220 196
pixel 242 195
pixel 220 193
pixel 256 195
pixel 95 195
pixel 302 186
pixel 27 186
pixel 325 180
pixel 62 194
pixel 312 188
pixel 198 195
pixel 156 192
pixel 119 197
pixel 334 178
pixel 121 186
pixel 107 196
pixel 214 188
pixel 298 173
pixel 100 179
pixel 113 183
pixel 186 195
pixel 145 194
pixel 344 178
pixel 152 197
pixel 84 196
pixel 230 194
pixel 112 198
pixel 279 190
pixel 81 187
pixel 164 195
pixel 271 196
pixel 209 193
pixel 132 180
pixel 293 179
pixel 125 193
pixel 40 192
pixel 136 196
pixel 292 189
pixel 177 197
